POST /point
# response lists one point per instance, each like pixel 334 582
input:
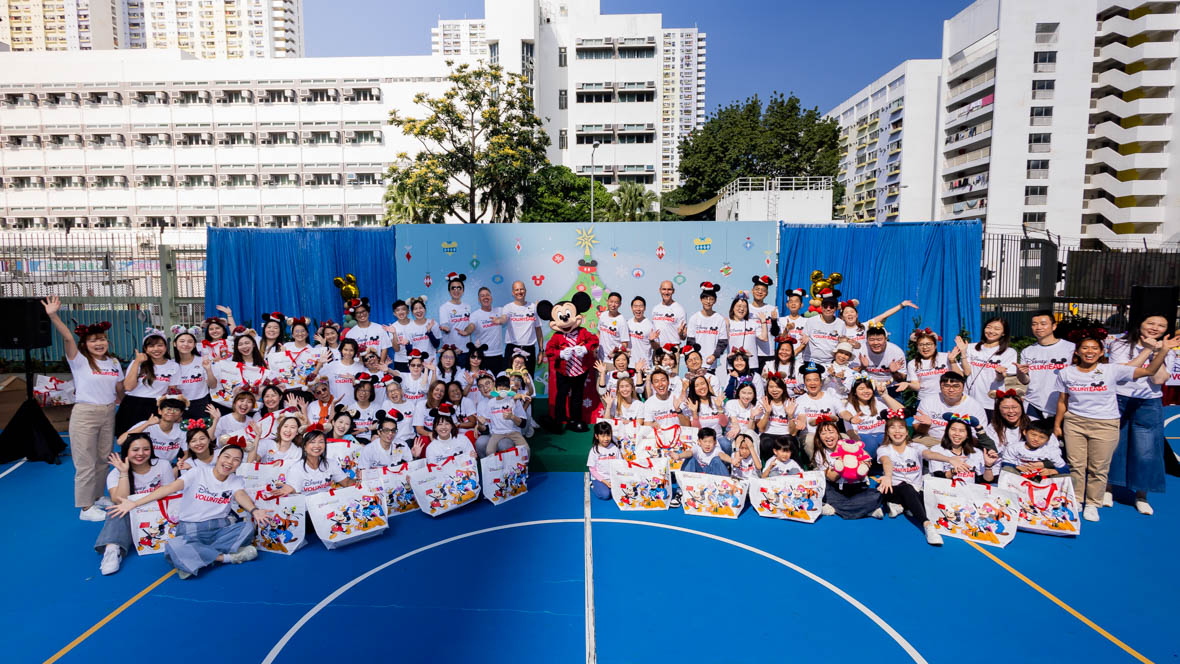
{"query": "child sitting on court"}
pixel 782 460
pixel 602 453
pixel 746 464
pixel 705 456
pixel 1038 452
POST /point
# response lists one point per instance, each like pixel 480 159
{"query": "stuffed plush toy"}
pixel 570 352
pixel 851 460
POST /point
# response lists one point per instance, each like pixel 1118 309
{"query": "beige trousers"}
pixel 1089 445
pixel 495 442
pixel 92 436
pixel 927 440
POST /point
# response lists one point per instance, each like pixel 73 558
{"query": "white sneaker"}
pixel 1144 507
pixel 932 536
pixel 103 502
pixel 93 513
pixel 183 574
pixel 827 510
pixel 244 554
pixel 877 514
pixel 1107 499
pixel 111 559
pixel 1090 513
pixel 895 510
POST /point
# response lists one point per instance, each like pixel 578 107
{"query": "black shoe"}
pixel 579 427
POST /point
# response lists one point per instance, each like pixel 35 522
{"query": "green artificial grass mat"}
pixel 563 453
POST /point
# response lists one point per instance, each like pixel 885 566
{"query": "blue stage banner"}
pixel 554 260
pixel 291 271
pixel 934 264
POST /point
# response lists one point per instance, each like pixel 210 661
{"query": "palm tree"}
pixel 634 202
pixel 403 205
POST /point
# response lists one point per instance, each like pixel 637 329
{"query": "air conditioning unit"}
pixel 207 179
pixel 305 136
pixel 265 140
pixel 347 92
pixel 222 138
pixel 226 219
pixel 353 218
pixel 223 181
pixel 336 218
pixel 254 219
pixel 91 179
pixel 376 93
pixel 308 179
pixel 219 95
pixel 268 219
pixel 350 136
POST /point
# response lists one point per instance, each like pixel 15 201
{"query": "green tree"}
pixel 555 193
pixel 481 141
pixel 633 202
pixel 746 139
pixel 404 204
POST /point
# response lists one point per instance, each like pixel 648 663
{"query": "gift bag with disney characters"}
pixel 347 455
pixel 973 512
pixel 505 475
pixel 663 442
pixel 446 484
pixel 153 523
pixel 264 477
pixel 628 433
pixel 711 495
pixel 798 497
pixel 53 391
pixel 395 480
pixel 347 515
pixel 1047 506
pixel 641 484
pixel 283 530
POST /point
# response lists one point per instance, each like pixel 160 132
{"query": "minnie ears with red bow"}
pixel 763 280
pixel 237 441
pixel 451 347
pixel 626 373
pixel 786 339
pixel 894 414
pixel 710 288
pixel 925 333
pixel 316 427
pixel 329 323
pixel 195 424
pixel 100 327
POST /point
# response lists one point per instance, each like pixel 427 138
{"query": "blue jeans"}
pixel 872 441
pixel 715 467
pixel 116 531
pixel 726 445
pixel 198 543
pixel 601 491
pixel 1138 461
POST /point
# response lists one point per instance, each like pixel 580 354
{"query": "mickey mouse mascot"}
pixel 570 352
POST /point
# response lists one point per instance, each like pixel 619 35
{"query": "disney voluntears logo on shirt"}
pixel 217 497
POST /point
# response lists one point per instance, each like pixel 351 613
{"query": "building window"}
pixel 1039 142
pixel 1046 33
pixel 1040 115
pixel 1036 195
pixel 563 139
pixel 625 97
pixel 561 56
pixel 1043 89
pixel 1034 218
pixel 594 98
pixel 494 53
pixel 1038 169
pixel 563 99
pixel 1044 61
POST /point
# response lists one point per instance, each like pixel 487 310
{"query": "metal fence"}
pixel 1020 275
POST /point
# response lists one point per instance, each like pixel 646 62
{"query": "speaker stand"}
pixel 29 434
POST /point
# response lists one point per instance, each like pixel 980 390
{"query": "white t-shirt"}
pixel 488 331
pixel 769 312
pixel 1043 364
pixel 1120 352
pixel 631 411
pixel 639 332
pixel 366 418
pixel 205 497
pixel 522 324
pixel 779 422
pixel 974 461
pixel 612 333
pixel 414 389
pixel 293 365
pixel 374 455
pixel 708 416
pixel 824 337
pixel 440 449
pixel 824 404
pixel 164 374
pixel 708 331
pixel 401 331
pixel 419 336
pixel 870 419
pixel 599 461
pixel 423 418
pixel 856 334
pixel 705 458
pixel 457 317
pixel 927 373
pixel 667 319
pixel 493 411
pixel 95 387
pixel 988 368
pixel 1092 394
pixel 935 408
pixel 268 452
pixel 1018 454
pixel 878 366
pixel 405 425
pixel 740 416
pixel 372 336
pixel 778 468
pixel 167 444
pixel 743 335
pixel 158 474
pixel 340 377
pixel 307 480
pixel 192 380
pixel 227 425
pixel 790 325
pixel 660 411
pixel 907 464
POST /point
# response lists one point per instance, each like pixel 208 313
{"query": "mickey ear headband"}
pixel 710 288
pixel 317 427
pixel 690 348
pixel 521 352
pixel 854 303
pixel 329 323
pixel 970 420
pixel 451 347
pixel 763 280
pixel 390 416
pixel 797 292
pixel 671 348
pixel 352 305
pixel 234 441
pixel 178 330
pixel 95 328
pixel 274 316
pixel 443 409
pixel 472 348
pixel 786 339
pixel 341 409
pixel 455 276
pixel 416 355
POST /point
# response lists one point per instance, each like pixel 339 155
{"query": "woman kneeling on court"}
pixel 206 534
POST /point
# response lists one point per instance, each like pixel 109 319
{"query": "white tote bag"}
pixel 1047 506
pixel 351 514
pixel 628 433
pixel 640 485
pixel 264 477
pixel 152 524
pixel 395 480
pixel 445 486
pixel 347 456
pixel 505 475
pixel 703 494
pixel 284 530
pixel 663 442
pixel 53 391
pixel 973 512
pixel 798 497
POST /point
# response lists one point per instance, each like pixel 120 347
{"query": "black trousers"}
pixel 530 361
pixel 568 404
pixel 495 364
pixel 907 496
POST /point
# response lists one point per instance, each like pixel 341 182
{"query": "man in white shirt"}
pixel 612 328
pixel 523 330
pixel 823 332
pixel 366 334
pixel 766 315
pixel 882 360
pixel 662 409
pixel 454 317
pixel 669 317
pixel 1039 365
pixel 929 422
pixel 641 333
pixel 707 327
pixel 489 331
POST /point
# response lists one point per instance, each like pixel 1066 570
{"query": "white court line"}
pixel 18 465
pixel 591 647
pixel 1171 419
pixel 886 627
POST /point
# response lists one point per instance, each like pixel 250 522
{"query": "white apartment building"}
pixel 1057 117
pixel 207 29
pixel 682 104
pixel 161 139
pixel 65 25
pixel 467 37
pixel 888 140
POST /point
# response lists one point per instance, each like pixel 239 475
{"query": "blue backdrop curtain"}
pixel 934 264
pixel 291 271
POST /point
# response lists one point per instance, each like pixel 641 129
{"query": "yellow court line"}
pixel 110 616
pixel 1069 609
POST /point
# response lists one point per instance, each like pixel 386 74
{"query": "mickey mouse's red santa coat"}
pixel 570 353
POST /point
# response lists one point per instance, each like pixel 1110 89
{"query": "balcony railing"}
pixel 970 156
pixel 982 79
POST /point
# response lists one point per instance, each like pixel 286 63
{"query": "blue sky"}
pixel 821 51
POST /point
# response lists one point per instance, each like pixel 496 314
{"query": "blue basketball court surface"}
pixel 554 576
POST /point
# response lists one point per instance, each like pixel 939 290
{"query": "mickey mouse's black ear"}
pixel 545 309
pixel 581 302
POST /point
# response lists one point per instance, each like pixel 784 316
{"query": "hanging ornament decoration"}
pixel 637 272
pixel 497 278
pixel 558 258
pixel 702 244
pixel 748 245
pixel 768 255
pixel 726 269
pixel 614 252
pixel 474 262
pixel 427 281
pixel 449 248
pixel 408 248
pixel 596 291
pixel 582 287
pixel 679 278
pixel 660 251
pixel 518 245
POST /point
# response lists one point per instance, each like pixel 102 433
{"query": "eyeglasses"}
pixel 384 430
pixel 456 288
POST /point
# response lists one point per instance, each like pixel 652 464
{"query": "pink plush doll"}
pixel 851 460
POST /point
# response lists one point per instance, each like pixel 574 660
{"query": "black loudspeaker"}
pixel 1154 301
pixel 23 323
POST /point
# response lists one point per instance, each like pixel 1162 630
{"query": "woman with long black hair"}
pixel 148 378
pixel 136 470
